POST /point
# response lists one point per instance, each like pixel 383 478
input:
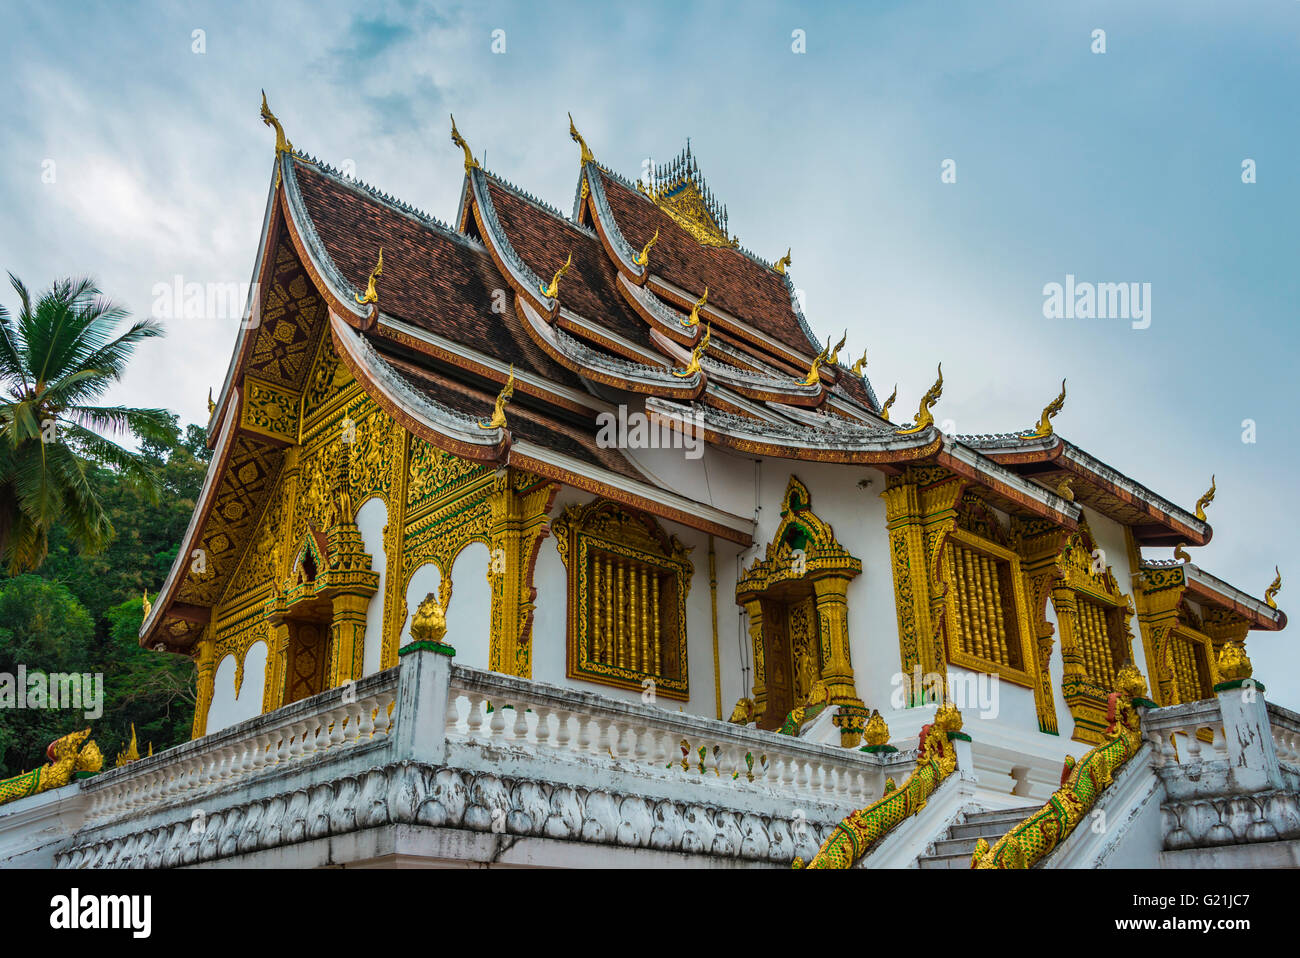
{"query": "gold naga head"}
pixel 884 410
pixel 782 263
pixel 1273 590
pixel 498 420
pixel 694 319
pixel 643 258
pixel 1129 682
pixel 814 371
pixel 1044 428
pixel 430 621
pixel 1064 490
pixel 282 145
pixel 924 417
pixel 1181 554
pixel 693 366
pixel 1233 663
pixel 470 162
pixel 743 713
pixel 553 289
pixel 371 295
pixel 212 406
pixel 835 353
pixel 1205 500
pixel 587 156
pixel 948 719
pixel 144 604
pixel 859 364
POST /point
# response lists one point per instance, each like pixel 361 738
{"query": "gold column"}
pixel 754 608
pixel 276 664
pixel 204 655
pixel 394 600
pixel 518 504
pixel 837 671
pixel 347 638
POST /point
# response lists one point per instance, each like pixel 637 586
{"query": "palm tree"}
pixel 57 358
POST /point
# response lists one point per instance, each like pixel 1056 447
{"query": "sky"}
pixel 932 166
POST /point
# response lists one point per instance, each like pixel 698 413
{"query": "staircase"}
pixel 955 848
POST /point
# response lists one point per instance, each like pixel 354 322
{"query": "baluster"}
pixel 451 720
pixel 498 723
pixel 562 737
pixel 336 719
pixel 474 717
pixel 585 742
pixel 383 719
pixel 542 730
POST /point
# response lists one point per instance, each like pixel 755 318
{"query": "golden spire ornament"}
pixel 1044 428
pixel 1234 665
pixel 924 417
pixel 212 407
pixel 498 420
pixel 693 320
pixel 587 156
pixel 470 162
pixel 1273 590
pixel 643 258
pixel 884 410
pixel 835 353
pixel 693 366
pixel 1181 554
pixel 371 295
pixel 282 144
pixel 144 604
pixel 814 375
pixel 859 364
pixel 1064 490
pixel 1205 500
pixel 550 291
pixel 782 263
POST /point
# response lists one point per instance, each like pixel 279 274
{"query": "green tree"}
pixel 58 356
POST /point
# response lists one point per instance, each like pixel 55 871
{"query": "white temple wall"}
pixel 371 519
pixel 226 707
pixel 469 614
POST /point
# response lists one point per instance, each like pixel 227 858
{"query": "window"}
pixel 985 622
pixel 1189 658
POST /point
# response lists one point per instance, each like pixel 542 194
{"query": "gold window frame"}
pixel 1017 615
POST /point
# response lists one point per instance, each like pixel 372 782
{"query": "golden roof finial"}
pixel 782 263
pixel 924 417
pixel 1234 664
pixel 1273 590
pixel 550 291
pixel 371 295
pixel 470 162
pixel 693 320
pixel 693 366
pixel 835 353
pixel 1064 490
pixel 1044 428
pixel 587 156
pixel 212 407
pixel 1181 554
pixel 643 258
pixel 814 376
pixel 282 144
pixel 144 603
pixel 859 364
pixel 498 420
pixel 1205 500
pixel 884 410
pixel 131 753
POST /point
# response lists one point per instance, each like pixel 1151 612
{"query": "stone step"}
pixel 945 861
pixel 959 846
pixel 990 825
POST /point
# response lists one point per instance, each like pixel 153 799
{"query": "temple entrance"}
pixel 307 659
pixel 791 649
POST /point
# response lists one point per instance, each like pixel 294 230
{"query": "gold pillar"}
pixel 394 546
pixel 755 610
pixel 204 656
pixel 837 670
pixel 519 504
pixel 276 665
pixel 347 638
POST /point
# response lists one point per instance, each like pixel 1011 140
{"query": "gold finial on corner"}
pixel 924 417
pixel 371 295
pixel 550 291
pixel 782 263
pixel 835 353
pixel 1233 663
pixel 884 410
pixel 212 407
pixel 1205 500
pixel 876 731
pixel 859 364
pixel 587 156
pixel 1064 489
pixel 693 366
pixel 814 371
pixel 131 753
pixel 470 162
pixel 282 144
pixel 429 624
pixel 1181 554
pixel 643 258
pixel 693 320
pixel 498 420
pixel 144 604
pixel 1044 428
pixel 1273 590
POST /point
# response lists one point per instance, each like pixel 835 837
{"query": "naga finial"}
pixel 498 420
pixel 1044 428
pixel 429 624
pixel 884 410
pixel 1064 490
pixel 212 407
pixel 643 258
pixel 587 156
pixel 1234 665
pixel 371 295
pixel 859 364
pixel 782 263
pixel 550 291
pixel 693 320
pixel 1181 554
pixel 145 604
pixel 814 371
pixel 835 353
pixel 470 162
pixel 693 366
pixel 1273 590
pixel 282 144
pixel 1205 500
pixel 924 417
pixel 876 731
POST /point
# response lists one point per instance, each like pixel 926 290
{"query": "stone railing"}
pixel 1178 731
pixel 1286 735
pixel 304 731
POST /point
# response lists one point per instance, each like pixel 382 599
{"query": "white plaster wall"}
pixel 227 708
pixel 469 615
pixel 371 519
